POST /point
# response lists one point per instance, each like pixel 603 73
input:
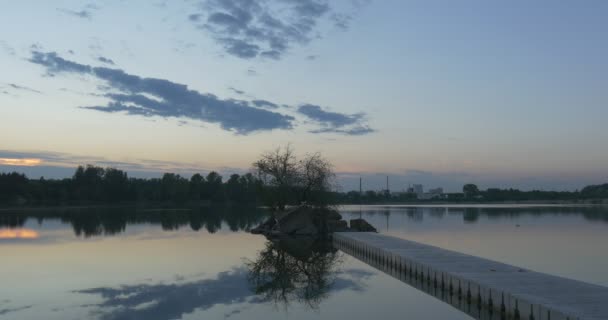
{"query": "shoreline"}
pixel 151 206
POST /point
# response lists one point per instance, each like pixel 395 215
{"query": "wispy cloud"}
pixel 6 48
pixel 62 159
pixel 237 91
pixel 9 310
pixel 6 88
pixel 263 28
pixel 264 104
pixel 85 13
pixel 349 124
pixel 106 60
pixel 135 95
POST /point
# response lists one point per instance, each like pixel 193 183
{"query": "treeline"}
pixel 96 185
pixel 91 185
pixel 472 194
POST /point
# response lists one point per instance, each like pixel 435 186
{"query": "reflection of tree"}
pixel 90 222
pixel 301 270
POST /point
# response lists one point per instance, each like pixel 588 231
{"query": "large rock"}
pixel 333 215
pixel 361 226
pixel 298 221
pixel 337 226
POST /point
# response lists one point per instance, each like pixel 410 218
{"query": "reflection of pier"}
pixel 482 288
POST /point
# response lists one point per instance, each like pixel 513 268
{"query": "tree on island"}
pixel 470 190
pixel 287 180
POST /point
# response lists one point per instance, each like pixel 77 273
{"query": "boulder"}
pixel 361 226
pixel 333 215
pixel 337 226
pixel 297 221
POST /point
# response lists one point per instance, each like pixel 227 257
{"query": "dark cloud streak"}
pixel 106 60
pixel 169 99
pixel 334 122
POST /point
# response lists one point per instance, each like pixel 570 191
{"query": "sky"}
pixel 439 93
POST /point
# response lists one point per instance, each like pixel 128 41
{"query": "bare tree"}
pixel 291 181
pixel 316 179
pixel 278 170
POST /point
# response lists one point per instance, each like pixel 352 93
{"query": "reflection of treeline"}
pixel 98 185
pixel 109 221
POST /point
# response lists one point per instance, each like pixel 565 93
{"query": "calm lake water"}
pixel 132 263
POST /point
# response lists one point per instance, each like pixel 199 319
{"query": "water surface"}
pixel 129 263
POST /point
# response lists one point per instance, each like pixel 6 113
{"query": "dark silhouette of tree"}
pixel 116 185
pixel 288 180
pixel 470 190
pixel 174 188
pixel 213 187
pixel 197 183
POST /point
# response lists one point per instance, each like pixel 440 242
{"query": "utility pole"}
pixel 360 196
pixel 387 190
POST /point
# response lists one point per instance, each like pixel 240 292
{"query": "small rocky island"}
pixel 306 220
pixel 300 194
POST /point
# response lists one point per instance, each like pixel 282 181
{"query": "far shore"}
pixel 437 204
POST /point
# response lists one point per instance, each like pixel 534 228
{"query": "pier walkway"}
pixel 483 288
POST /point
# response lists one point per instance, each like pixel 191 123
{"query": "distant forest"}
pixel 96 185
pixel 92 185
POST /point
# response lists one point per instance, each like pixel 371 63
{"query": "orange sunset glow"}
pixel 18 234
pixel 27 162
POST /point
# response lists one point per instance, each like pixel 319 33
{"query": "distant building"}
pixel 454 196
pixel 418 189
pixel 436 191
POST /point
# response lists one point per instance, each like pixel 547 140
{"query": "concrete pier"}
pixel 483 288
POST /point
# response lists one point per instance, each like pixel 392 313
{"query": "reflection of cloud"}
pixel 172 301
pixel 351 279
pixel 18 234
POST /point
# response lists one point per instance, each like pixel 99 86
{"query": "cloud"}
pixel 349 124
pixel 257 28
pixel 106 60
pixel 6 48
pixel 341 21
pixel 85 13
pixel 19 88
pixel 159 97
pixel 55 163
pixel 237 91
pixel 8 310
pixel 264 104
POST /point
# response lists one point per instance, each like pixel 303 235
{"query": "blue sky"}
pixel 434 92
